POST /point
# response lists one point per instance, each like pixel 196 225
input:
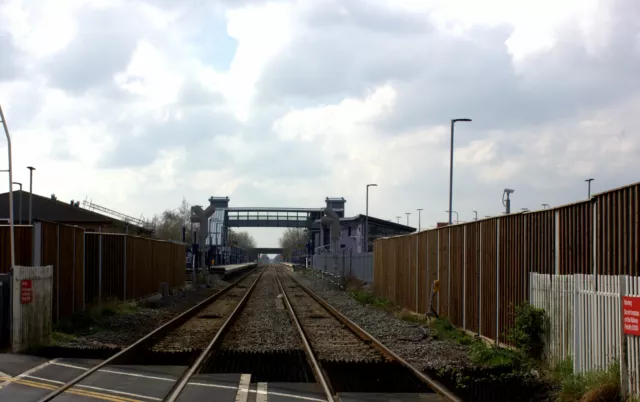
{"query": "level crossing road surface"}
pixel 26 379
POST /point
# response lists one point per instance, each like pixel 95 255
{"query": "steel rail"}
pixel 307 347
pixel 365 336
pixel 140 343
pixel 184 379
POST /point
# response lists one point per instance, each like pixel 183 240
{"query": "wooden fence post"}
pixel 426 268
pixel 124 263
pixel 36 231
pixel 556 242
pixel 479 254
pixel 497 281
pixel 464 277
pixel 57 268
pixel 417 273
pixel 438 268
pixel 449 273
pixel 73 278
pixel 84 269
pixel 99 268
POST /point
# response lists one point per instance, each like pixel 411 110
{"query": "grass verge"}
pixel 93 319
pixel 601 385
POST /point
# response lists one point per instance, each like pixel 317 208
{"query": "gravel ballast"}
pixel 406 339
pixel 264 324
pixel 329 338
pixel 197 332
pixel 121 330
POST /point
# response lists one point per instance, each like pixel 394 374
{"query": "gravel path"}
pixel 264 325
pixel 404 338
pixel 329 338
pixel 196 333
pixel 122 330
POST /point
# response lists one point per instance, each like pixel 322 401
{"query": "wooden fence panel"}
pixel 472 275
pixel 423 282
pixel 575 238
pixel 23 246
pixel 540 241
pixel 456 274
pixel 488 296
pixel 512 274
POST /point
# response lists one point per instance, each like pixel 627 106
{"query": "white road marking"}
pixel 262 395
pixel 243 388
pixel 118 372
pixel 28 372
pixel 112 391
pixel 304 398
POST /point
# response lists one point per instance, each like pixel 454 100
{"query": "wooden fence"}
pixel 483 266
pixel 89 267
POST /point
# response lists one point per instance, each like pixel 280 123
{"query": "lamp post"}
pixel 366 222
pixel 9 170
pixel 545 206
pixel 407 213
pixel 419 218
pixel 31 169
pixel 457 216
pixel 20 207
pixel 453 122
pixel 397 217
pixel 589 187
pixel 476 215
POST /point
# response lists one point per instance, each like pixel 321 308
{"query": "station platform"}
pixel 226 270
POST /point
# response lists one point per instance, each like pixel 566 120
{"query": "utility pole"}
pixel 407 213
pixel 11 231
pixel 419 219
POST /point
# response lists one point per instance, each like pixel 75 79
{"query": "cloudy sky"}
pixel 135 104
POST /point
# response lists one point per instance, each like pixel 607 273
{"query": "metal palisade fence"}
pixel 585 321
pixel 345 264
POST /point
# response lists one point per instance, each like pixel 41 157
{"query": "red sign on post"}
pixel 631 315
pixel 26 291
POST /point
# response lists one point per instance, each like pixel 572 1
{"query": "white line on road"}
pixel 28 372
pixel 262 394
pixel 243 388
pixel 111 391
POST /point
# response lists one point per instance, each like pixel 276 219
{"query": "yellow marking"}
pixel 96 395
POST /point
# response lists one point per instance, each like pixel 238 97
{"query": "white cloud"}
pixel 125 101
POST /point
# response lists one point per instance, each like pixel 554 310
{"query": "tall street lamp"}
pixel 407 213
pixel 476 215
pixel 589 187
pixel 397 217
pixel 31 169
pixel 453 122
pixel 545 206
pixel 366 221
pixel 455 212
pixel 9 170
pixel 20 207
pixel 419 220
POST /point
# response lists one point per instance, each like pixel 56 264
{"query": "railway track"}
pixel 348 361
pixel 268 324
pixel 196 330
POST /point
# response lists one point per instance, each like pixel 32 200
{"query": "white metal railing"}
pixel 585 321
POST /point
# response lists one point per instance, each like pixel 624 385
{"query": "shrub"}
pixel 528 331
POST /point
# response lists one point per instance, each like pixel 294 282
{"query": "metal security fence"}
pixel 345 264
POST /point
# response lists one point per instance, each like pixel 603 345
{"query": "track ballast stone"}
pixel 264 324
pixel 329 338
pixel 404 338
pixel 198 331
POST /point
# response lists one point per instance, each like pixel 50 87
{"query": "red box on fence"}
pixel 26 291
pixel 631 315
